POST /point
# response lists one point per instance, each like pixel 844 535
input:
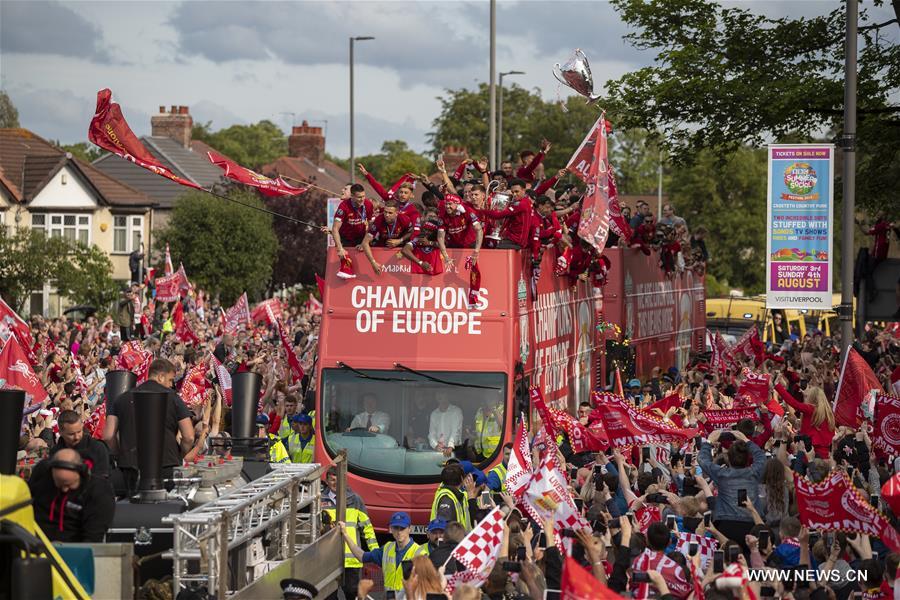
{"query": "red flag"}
pixel 96 421
pixel 835 505
pixel 664 404
pixel 169 268
pixel 582 160
pixel 224 378
pixel 519 470
pixel 314 305
pixel 617 222
pixel 578 583
pixel 184 286
pixel 109 130
pixel 856 383
pixel 720 419
pixel 619 391
pixel 886 430
pixel 890 493
pixel 266 185
pixel 320 283
pixel 16 373
pixel 237 315
pixel 293 361
pixel 581 438
pixel 167 288
pixel 719 349
pixel 627 426
pixel 18 328
pixel 135 358
pixel 183 331
pixel 195 387
pixel 263 310
pixel 474 281
pixel 594 224
pixel 537 401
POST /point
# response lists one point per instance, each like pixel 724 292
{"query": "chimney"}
pixel 453 157
pixel 175 124
pixel 307 142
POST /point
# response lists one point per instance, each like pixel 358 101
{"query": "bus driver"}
pixel 370 419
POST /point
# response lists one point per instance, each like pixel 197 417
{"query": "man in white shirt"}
pixel 445 426
pixel 370 419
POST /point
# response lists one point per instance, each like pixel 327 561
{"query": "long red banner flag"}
pixel 110 131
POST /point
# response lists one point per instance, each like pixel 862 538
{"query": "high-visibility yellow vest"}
pixel 393 572
pixel 277 452
pixel 284 429
pixel 462 511
pixel 500 470
pixel 355 519
pixel 298 452
pixel 487 433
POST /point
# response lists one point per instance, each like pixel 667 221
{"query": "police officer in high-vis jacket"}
pixel 301 443
pixel 357 519
pixel 392 555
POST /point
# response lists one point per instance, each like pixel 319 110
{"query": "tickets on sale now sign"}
pixel 799 235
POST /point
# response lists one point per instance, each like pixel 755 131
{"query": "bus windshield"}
pixel 398 424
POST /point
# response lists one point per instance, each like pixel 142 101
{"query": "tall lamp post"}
pixel 492 90
pixel 848 144
pixel 352 40
pixel 500 117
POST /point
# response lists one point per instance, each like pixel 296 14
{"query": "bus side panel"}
pixel 665 317
pixel 562 325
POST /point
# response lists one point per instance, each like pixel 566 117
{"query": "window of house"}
pixel 128 233
pixel 71 227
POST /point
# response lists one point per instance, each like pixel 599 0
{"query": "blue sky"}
pixel 239 62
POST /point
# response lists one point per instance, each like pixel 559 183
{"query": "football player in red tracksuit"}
pixel 389 229
pixel 517 216
pixel 459 226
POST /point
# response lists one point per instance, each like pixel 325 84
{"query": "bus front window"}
pixel 397 424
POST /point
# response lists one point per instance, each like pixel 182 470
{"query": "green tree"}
pixel 9 116
pixel 226 248
pixel 83 150
pixel 725 77
pixel 249 145
pixel 636 154
pixel 727 195
pixel 527 118
pixel 28 258
pixel 394 160
pixel 85 277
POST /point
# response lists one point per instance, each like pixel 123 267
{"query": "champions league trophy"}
pixel 576 74
pixel 499 201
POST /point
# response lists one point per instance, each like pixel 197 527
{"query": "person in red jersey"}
pixel 389 229
pixel 459 226
pixel 517 216
pixel 530 161
pixel 423 251
pixel 402 191
pixel 351 220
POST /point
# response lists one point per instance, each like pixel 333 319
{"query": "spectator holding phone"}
pixel 737 481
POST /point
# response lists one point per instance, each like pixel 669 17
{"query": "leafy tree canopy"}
pixel 249 145
pixel 226 248
pixel 527 118
pixel 725 77
pixel 28 258
pixel 9 116
pixel 394 160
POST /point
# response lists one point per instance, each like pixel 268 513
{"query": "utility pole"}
pixel 848 144
pixel 492 141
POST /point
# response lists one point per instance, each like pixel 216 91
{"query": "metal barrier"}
pixel 212 541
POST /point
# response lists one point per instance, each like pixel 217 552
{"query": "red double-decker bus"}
pixel 406 368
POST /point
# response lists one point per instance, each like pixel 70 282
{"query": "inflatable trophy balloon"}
pixel 576 74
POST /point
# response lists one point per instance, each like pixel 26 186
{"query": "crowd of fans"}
pixel 515 207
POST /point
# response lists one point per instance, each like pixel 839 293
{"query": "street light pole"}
pixel 848 143
pixel 352 132
pixel 492 141
pixel 500 115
